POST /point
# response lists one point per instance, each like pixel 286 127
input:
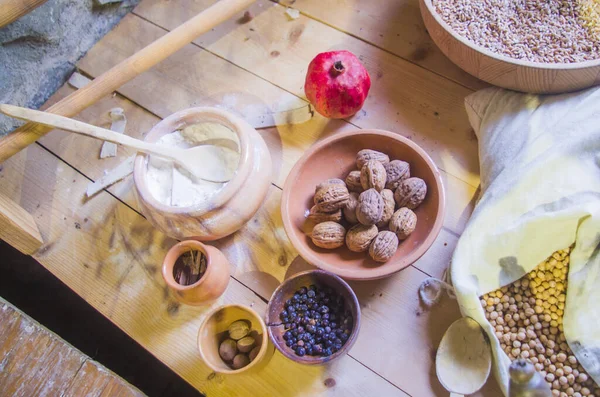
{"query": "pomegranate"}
pixel 337 84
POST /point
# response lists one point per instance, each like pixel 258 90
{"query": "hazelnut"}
pixel 240 361
pixel 317 216
pixel 245 344
pixel 239 329
pixel 388 208
pixel 331 197
pixel 359 237
pixel 372 175
pixel 228 349
pixel 367 154
pixel 383 246
pixel 370 207
pixel 350 208
pixel 396 172
pixel 254 353
pixel 410 193
pixel 353 182
pixel 403 222
pixel 328 235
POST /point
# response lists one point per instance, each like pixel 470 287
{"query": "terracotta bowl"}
pixel 287 289
pixel 214 330
pixel 210 286
pixel 500 70
pixel 229 209
pixel 335 157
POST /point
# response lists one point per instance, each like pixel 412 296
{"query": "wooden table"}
pixel 36 362
pixel 110 255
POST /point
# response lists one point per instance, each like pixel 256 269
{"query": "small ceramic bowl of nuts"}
pixel 233 339
pixel 363 204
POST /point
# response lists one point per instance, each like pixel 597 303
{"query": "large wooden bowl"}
pixel 500 70
pixel 335 157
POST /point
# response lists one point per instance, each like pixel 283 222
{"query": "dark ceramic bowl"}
pixel 287 289
pixel 335 157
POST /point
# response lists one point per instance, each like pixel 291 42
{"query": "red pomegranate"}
pixel 337 84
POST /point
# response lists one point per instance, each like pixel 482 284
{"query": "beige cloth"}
pixel 540 192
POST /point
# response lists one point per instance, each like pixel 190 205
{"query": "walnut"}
pixel 403 223
pixel 384 246
pixel 328 235
pixel 410 193
pixel 333 181
pixel 396 172
pixel 388 208
pixel 370 207
pixel 332 196
pixel 372 175
pixel 350 208
pixel 367 154
pixel 317 216
pixel 353 182
pixel 359 237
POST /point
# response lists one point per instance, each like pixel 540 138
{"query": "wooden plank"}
pixel 35 361
pixel 93 380
pixel 404 98
pixel 287 143
pixel 110 255
pixel 395 26
pixel 11 10
pixel 18 228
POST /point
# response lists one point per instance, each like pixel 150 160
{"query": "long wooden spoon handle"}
pixel 126 70
pixel 64 123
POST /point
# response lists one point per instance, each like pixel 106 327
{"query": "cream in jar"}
pixel 173 185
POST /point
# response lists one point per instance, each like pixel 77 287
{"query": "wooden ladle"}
pixel 464 358
pixel 201 160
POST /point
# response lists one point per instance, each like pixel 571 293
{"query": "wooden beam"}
pixel 18 228
pixel 11 10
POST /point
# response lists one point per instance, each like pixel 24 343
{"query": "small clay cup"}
pixel 214 330
pixel 210 286
pixel 287 289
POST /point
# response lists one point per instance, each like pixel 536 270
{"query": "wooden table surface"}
pixel 110 255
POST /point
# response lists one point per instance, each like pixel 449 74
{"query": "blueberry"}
pixel 337 346
pixel 288 303
pixel 301 336
pixel 288 343
pixel 309 351
pixel 302 290
pixel 292 326
pixel 287 335
pixel 288 325
pixel 295 298
pixel 310 301
pixel 326 316
pixel 332 336
pixel 311 294
pixel 320 331
pixel 285 319
pixel 291 310
pixel 300 343
pixel 318 349
pixel 303 298
pixel 312 322
pixel 328 343
pixel 327 352
pixel 300 330
pixel 294 346
pixel 344 337
pixel 333 325
pixel 310 328
pixel 315 306
pixel 300 351
pixel 327 330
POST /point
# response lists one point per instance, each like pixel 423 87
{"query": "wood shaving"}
pixel 119 121
pixel 111 177
pixel 292 13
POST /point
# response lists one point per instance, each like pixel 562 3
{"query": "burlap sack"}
pixel 540 192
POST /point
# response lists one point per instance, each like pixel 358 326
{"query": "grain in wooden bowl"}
pixel 529 46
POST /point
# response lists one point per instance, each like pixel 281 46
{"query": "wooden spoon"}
pixel 202 160
pixel 464 358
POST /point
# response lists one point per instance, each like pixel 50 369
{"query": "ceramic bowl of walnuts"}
pixel 363 204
